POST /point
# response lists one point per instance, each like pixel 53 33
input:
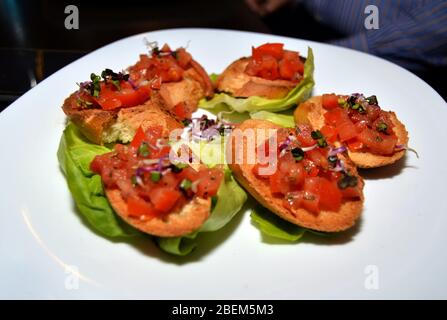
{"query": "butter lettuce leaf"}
pixel 75 154
pixel 298 94
pixel 228 202
pixel 283 120
pixel 273 226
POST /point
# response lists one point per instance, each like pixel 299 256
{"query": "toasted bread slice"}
pixel 177 223
pixel 189 91
pixel 314 110
pixel 105 126
pixel 236 82
pixel 326 221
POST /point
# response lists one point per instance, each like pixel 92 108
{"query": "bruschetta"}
pixel 164 83
pixel 270 72
pixel 150 192
pixel 304 181
pixel 373 137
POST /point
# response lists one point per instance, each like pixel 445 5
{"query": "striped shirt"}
pixel 412 33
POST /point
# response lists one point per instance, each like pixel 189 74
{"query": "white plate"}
pixel 397 250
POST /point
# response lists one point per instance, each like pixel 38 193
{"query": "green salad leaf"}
pixel 284 120
pixel 298 94
pixel 75 154
pixel 275 227
pixel 229 201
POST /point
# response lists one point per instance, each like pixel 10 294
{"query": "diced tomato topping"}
pixel 330 195
pixel 305 136
pixel 351 193
pixel 346 130
pixel 110 97
pixel 164 198
pixel 330 101
pixel 360 125
pixel 152 188
pixel 181 111
pixel 275 50
pixel 355 144
pixel 139 208
pixel 377 142
pixel 138 138
pixel 210 181
pixel 305 178
pixel 330 133
pixel 270 61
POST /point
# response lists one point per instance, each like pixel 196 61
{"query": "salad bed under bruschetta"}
pixel 120 151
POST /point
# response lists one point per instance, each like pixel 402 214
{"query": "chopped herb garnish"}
pixel 155 176
pixel 361 109
pixel 114 78
pixel 297 153
pixel 342 102
pixel 322 143
pixel 382 127
pixel 372 100
pixel 332 159
pixel 185 184
pixel 347 181
pixel 94 87
pixel 379 139
pixel 155 51
pixel 143 150
pixel 134 180
pixel 316 134
pixel 186 122
pixel 352 100
pixel 176 168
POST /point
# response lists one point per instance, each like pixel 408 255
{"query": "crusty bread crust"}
pixel 239 84
pixel 315 115
pixel 175 224
pixel 326 221
pixel 104 126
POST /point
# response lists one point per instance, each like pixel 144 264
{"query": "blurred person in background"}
pixel 411 33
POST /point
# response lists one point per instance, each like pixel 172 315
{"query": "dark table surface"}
pixel 34 42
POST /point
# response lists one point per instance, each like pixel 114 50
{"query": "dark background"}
pixel 34 42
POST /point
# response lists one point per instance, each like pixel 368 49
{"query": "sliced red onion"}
pixel 141 170
pixel 160 143
pixel 150 161
pixel 335 151
pixel 284 145
pixel 132 83
pixel 306 149
pixel 339 166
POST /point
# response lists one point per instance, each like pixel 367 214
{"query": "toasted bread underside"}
pixel 239 84
pixel 175 224
pixel 315 114
pixel 326 221
pixel 105 126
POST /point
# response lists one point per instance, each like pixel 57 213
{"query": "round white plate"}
pixel 396 251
